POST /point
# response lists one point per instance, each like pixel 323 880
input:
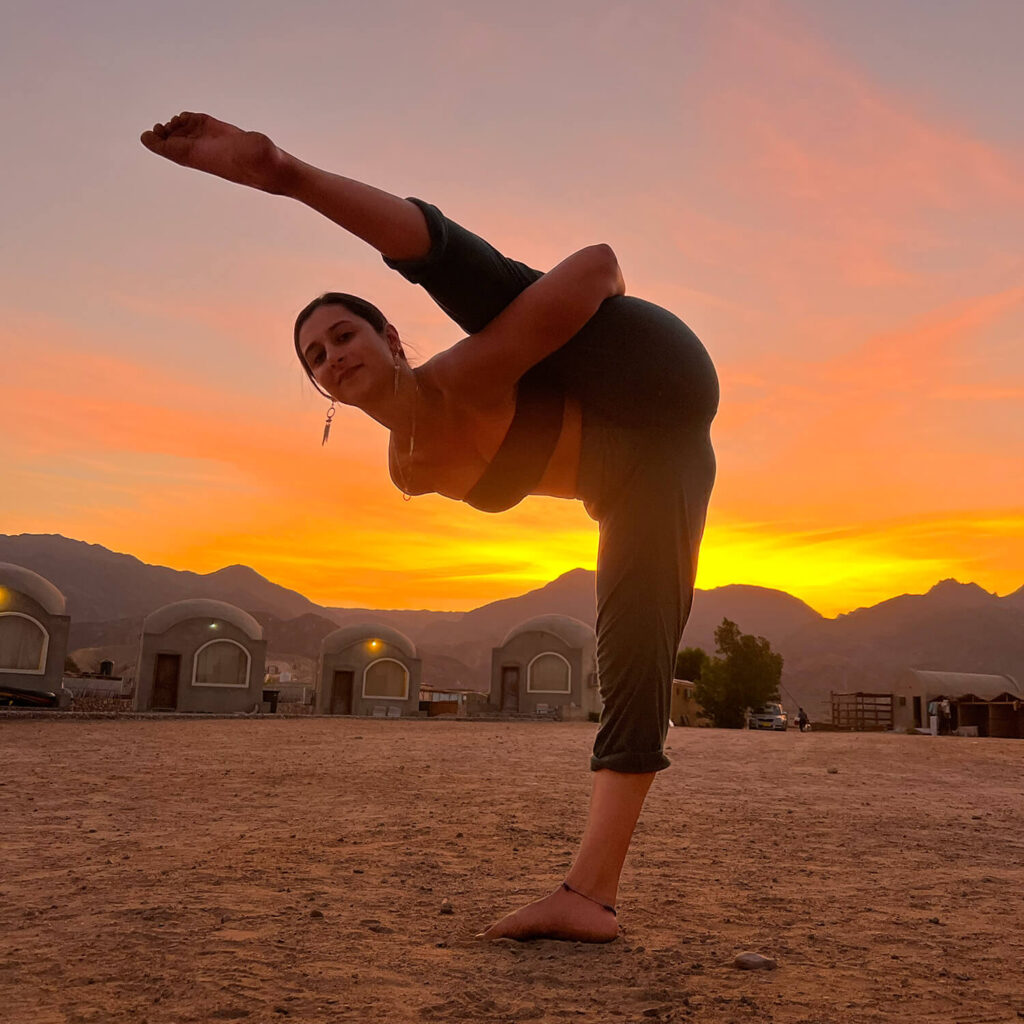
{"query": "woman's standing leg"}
pixel 616 800
pixel 652 516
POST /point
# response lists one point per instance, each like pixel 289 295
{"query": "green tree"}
pixel 747 674
pixel 690 662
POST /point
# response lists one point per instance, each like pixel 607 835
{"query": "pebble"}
pixel 316 913
pixel 446 906
pixel 754 962
pixel 833 771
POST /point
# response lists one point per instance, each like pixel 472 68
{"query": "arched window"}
pixel 548 673
pixel 23 643
pixel 221 663
pixel 386 678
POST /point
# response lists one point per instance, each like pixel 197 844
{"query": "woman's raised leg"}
pixel 464 274
pixel 393 226
pixel 468 278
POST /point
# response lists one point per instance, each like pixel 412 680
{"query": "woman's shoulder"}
pixel 452 380
pixel 457 433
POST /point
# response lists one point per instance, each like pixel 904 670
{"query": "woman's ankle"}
pixel 605 905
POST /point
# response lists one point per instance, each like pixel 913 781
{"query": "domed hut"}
pixel 547 665
pixel 200 655
pixel 368 668
pixel 33 631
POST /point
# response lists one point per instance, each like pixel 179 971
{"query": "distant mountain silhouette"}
pixel 954 627
pixel 769 613
pixel 101 585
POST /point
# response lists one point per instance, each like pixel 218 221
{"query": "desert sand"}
pixel 296 869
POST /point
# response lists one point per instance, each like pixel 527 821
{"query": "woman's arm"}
pixel 536 323
pixel 394 227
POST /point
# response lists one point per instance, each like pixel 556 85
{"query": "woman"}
pixel 564 386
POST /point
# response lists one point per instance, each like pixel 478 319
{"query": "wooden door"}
pixel 165 681
pixel 510 688
pixel 341 692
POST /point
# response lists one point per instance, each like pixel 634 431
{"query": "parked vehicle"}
pixel 16 697
pixel 768 716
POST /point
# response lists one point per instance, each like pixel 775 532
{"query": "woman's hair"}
pixel 355 305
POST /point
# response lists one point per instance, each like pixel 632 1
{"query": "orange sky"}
pixel 841 232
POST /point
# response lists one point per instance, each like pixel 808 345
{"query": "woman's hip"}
pixel 638 365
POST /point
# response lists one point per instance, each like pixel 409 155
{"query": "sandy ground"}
pixel 178 870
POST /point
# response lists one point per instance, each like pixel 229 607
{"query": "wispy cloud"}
pixel 850 256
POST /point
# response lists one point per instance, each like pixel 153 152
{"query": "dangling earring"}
pixel 396 376
pixel 327 424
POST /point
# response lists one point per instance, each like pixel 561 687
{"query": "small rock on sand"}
pixel 754 962
pixel 446 906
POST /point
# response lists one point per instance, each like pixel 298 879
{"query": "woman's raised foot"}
pixel 205 144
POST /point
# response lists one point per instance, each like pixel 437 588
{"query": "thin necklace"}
pixel 406 495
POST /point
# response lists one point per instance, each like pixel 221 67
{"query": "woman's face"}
pixel 346 356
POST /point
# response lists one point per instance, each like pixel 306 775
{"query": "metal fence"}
pixel 862 712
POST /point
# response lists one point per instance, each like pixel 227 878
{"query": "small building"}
pixel 98 684
pixel 684 709
pixel 34 628
pixel 547 666
pixel 368 668
pixel 200 655
pixel 452 701
pixel 991 704
pixel 292 679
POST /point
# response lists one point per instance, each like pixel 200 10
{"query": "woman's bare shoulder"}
pixel 457 433
pixel 462 381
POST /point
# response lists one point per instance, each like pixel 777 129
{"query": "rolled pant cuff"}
pixel 631 763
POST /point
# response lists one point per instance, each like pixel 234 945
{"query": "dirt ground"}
pixel 272 870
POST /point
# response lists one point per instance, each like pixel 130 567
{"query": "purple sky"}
pixel 830 194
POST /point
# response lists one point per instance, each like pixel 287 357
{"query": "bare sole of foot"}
pixel 562 915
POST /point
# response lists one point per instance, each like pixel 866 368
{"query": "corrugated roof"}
pixel 961 684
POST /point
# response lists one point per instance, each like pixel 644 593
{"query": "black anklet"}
pixel 566 885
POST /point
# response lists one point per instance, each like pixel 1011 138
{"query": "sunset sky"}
pixel 831 194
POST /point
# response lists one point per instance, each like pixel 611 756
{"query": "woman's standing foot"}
pixel 561 915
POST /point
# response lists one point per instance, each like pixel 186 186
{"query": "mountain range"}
pixel 953 627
